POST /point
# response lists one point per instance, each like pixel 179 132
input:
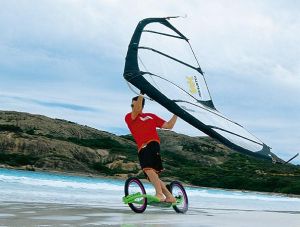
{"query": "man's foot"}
pixel 170 199
pixel 161 197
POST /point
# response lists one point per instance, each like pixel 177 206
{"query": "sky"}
pixel 65 59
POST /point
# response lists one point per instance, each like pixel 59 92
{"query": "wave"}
pixel 77 183
pixel 233 194
pixel 52 182
pixel 61 184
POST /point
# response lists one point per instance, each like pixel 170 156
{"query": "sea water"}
pixel 41 187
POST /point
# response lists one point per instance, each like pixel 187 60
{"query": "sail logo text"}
pixel 193 85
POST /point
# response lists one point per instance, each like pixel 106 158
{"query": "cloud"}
pixel 65 59
pixel 52 104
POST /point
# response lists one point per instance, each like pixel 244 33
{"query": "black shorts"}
pixel 149 157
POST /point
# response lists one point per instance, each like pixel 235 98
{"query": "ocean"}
pixel 98 201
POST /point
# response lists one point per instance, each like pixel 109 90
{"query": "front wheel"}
pixel 134 185
pixel 178 191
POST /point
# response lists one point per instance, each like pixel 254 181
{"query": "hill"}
pixel 35 142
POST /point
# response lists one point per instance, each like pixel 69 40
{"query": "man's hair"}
pixel 136 98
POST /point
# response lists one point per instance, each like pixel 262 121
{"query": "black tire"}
pixel 177 189
pixel 136 185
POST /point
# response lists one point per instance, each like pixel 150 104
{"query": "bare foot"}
pixel 170 199
pixel 161 197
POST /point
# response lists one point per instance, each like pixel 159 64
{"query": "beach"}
pixel 43 214
pixel 41 199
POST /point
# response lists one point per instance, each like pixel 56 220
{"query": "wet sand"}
pixel 45 214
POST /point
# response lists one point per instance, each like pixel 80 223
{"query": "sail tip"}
pixel 179 16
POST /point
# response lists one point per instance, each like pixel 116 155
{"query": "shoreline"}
pixel 144 180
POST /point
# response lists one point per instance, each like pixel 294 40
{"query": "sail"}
pixel 161 62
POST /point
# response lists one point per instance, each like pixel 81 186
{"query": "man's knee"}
pixel 149 171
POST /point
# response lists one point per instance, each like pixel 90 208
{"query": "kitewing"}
pixel 161 62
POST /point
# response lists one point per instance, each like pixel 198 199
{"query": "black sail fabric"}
pixel 160 62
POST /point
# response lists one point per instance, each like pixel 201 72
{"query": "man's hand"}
pixel 137 107
pixel 170 124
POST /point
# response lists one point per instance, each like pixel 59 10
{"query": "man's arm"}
pixel 170 124
pixel 137 107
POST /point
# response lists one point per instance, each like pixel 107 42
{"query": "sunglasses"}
pixel 131 105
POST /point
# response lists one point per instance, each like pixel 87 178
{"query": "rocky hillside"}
pixel 36 142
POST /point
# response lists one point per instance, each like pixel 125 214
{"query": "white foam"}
pixel 215 193
pixel 61 183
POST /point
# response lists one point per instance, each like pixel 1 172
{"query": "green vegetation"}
pixel 10 128
pixel 103 143
pixel 128 137
pixel 238 172
pixel 103 169
pixel 15 129
pixel 17 159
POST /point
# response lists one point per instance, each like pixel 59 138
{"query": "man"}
pixel 143 129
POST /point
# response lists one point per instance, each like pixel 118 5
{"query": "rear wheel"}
pixel 178 191
pixel 134 185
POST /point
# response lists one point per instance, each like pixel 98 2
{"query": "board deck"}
pixel 151 200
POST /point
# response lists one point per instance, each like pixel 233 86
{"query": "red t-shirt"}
pixel 143 128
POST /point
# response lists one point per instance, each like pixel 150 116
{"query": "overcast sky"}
pixel 65 59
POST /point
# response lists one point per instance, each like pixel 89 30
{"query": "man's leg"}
pixel 169 197
pixel 154 179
